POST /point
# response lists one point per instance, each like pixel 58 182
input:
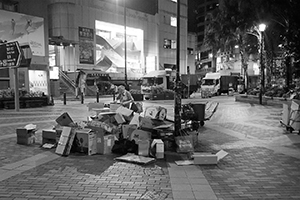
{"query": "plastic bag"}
pixel 184 144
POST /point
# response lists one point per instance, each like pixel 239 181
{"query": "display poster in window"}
pixel 86 45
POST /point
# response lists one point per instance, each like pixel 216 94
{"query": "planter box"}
pixel 169 96
pixel 158 97
pixel 25 102
pixel 138 97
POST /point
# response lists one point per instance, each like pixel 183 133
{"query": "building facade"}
pixel 106 35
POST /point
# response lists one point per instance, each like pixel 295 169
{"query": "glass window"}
pixel 4 73
pixel 4 84
pixel 173 21
pixel 159 81
pixel 208 82
pixel 167 44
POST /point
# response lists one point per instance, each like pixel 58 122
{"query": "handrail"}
pixel 67 81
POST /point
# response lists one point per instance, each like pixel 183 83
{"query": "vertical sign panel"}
pixel 86 45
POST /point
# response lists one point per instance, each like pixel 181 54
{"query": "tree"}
pixel 234 24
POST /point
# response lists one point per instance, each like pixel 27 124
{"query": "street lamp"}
pixel 262 28
pixel 125 46
pixel 177 103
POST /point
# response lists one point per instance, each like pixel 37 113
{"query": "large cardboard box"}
pixel 208 158
pixel 119 118
pixel 86 141
pixel 127 130
pixel 65 141
pixel 49 136
pixel 144 146
pixel 104 142
pixel 64 119
pixel 295 115
pixel 157 147
pixel 156 112
pixel 286 114
pixel 25 136
pixel 140 135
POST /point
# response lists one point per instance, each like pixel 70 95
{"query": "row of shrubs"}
pixel 10 93
pixel 277 91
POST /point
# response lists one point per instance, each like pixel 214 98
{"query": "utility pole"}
pixel 178 85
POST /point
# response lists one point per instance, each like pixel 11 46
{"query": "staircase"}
pixel 66 84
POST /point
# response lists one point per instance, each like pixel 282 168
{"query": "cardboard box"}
pixel 49 136
pixel 208 158
pixel 25 136
pixel 286 114
pixel 104 142
pixel 295 115
pixel 140 135
pixel 144 146
pixel 86 140
pixel 127 130
pixel 157 147
pixel 119 118
pixel 49 133
pixel 156 112
pixel 65 141
pixel 64 119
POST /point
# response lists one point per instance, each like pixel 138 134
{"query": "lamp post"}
pixel 125 46
pixel 262 28
pixel 177 103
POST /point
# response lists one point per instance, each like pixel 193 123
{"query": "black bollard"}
pixel 82 98
pixel 97 97
pixel 65 98
pixel 51 100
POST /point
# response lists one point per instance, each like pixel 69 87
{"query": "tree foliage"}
pixel 235 23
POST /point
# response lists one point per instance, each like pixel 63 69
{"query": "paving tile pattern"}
pixel 94 177
pixel 249 171
pixel 257 132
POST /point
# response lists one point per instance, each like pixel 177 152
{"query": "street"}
pixel 263 160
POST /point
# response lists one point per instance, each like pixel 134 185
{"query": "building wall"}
pixel 168 9
pixel 62 19
pixel 191 44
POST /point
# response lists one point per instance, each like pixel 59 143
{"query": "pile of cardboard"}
pixel 102 131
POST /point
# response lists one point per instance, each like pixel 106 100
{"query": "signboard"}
pixel 10 55
pixel 86 45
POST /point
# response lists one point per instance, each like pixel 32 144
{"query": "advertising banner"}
pixel 86 45
pixel 25 29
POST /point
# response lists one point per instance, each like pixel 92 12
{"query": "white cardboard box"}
pixel 159 148
pixel 208 158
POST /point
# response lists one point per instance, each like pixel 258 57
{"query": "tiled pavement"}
pixel 263 161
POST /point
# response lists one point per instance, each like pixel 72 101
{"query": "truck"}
pixel 166 80
pixel 215 84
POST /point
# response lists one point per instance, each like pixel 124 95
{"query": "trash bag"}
pixel 124 146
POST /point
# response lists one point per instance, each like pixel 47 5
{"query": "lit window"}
pixel 174 1
pixel 173 21
pixel 169 44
